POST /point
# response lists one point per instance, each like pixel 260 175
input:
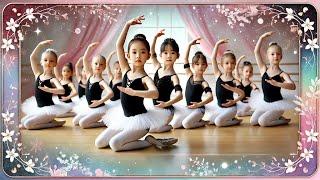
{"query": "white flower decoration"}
pixel 308 25
pixel 30 165
pixel 7 135
pixel 12 25
pixel 312 136
pixel 290 167
pixel 7 44
pixel 312 44
pixel 12 154
pixel 289 14
pixel 20 36
pixel 7 116
pixel 30 15
pixel 307 154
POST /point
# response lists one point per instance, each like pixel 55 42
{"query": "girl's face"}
pixel 169 56
pixel 274 55
pixel 117 70
pixel 138 54
pixel 48 61
pixel 200 66
pixel 247 72
pixel 228 64
pixel 66 72
pixel 83 72
pixel 98 65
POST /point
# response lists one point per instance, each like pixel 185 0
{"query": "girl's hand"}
pixel 64 98
pixel 273 82
pixel 160 33
pixel 93 45
pixel 241 57
pixel 61 56
pixel 267 34
pixel 44 88
pixel 161 104
pixel 46 42
pixel 229 103
pixel 127 90
pixel 137 20
pixel 222 41
pixel 195 41
pixel 194 105
pixel 95 103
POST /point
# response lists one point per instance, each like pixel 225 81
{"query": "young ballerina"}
pixel 225 109
pixel 115 78
pixel 40 109
pixel 191 117
pixel 81 77
pixel 132 121
pixel 89 114
pixel 65 79
pixel 166 79
pixel 243 107
pixel 270 106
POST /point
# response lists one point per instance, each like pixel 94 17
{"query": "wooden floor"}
pixel 210 140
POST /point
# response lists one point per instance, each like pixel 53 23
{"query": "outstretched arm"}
pixel 86 63
pixel 261 64
pixel 215 67
pixel 57 90
pixel 56 70
pixel 237 74
pixel 186 57
pixel 34 57
pixel 124 65
pixel 108 69
pixel 287 84
pixel 78 68
pixel 154 59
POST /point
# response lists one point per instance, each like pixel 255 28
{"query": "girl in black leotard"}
pixel 81 77
pixel 270 105
pixel 65 78
pixel 243 107
pixel 191 116
pixel 225 108
pixel 165 79
pixel 40 109
pixel 90 113
pixel 126 128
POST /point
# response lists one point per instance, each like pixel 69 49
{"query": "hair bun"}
pixel 246 63
pixel 273 43
pixel 228 51
pixel 51 50
pixel 140 36
pixel 198 53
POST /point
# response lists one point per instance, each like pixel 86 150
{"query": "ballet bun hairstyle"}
pixel 247 64
pixel 197 56
pixel 50 51
pixel 276 45
pixel 70 67
pixel 142 38
pixel 228 54
pixel 171 42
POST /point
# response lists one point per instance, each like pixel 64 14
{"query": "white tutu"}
pixel 69 106
pixel 257 102
pixel 150 106
pixel 181 111
pixel 82 108
pixel 244 109
pixel 213 109
pixel 30 107
pixel 115 119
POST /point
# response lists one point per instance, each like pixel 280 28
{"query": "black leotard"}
pixel 116 92
pixel 93 92
pixel 194 90
pixel 222 93
pixel 43 98
pixel 67 91
pixel 81 90
pixel 271 93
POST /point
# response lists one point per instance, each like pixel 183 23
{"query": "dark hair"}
pixel 70 66
pixel 247 63
pixel 199 55
pixel 228 53
pixel 52 52
pixel 274 44
pixel 142 38
pixel 172 43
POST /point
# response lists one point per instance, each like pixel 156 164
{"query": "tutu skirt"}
pixel 257 102
pixel 244 108
pixel 30 107
pixel 82 108
pixel 213 109
pixel 181 112
pixel 68 106
pixel 115 119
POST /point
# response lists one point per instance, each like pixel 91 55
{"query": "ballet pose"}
pixel 191 116
pixel 81 77
pixel 225 109
pixel 65 79
pixel 115 78
pixel 40 109
pixel 270 105
pixel 132 121
pixel 89 114
pixel 243 107
pixel 166 79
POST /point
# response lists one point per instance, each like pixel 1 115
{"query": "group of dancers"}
pixel 119 104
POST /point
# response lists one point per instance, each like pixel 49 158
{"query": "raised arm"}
pixel 124 65
pixel 86 63
pixel 154 59
pixel 56 70
pixel 186 56
pixel 257 54
pixel 215 67
pixel 237 74
pixel 35 57
pixel 108 69
pixel 78 68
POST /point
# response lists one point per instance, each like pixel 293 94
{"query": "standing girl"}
pixel 166 79
pixel 191 117
pixel 226 109
pixel 133 121
pixel 89 115
pixel 243 107
pixel 40 109
pixel 270 106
